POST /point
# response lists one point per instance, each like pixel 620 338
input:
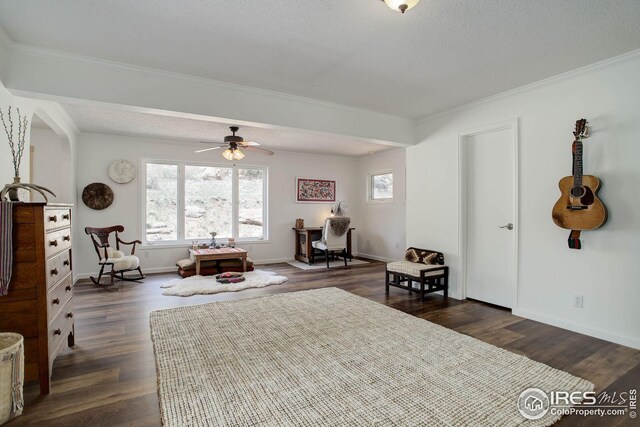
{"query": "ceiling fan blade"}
pixel 213 142
pixel 248 143
pixel 207 149
pixel 259 150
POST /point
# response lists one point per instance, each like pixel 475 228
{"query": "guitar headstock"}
pixel 581 131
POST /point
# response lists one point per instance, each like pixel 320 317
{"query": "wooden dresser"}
pixel 39 305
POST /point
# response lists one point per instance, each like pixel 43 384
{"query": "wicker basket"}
pixel 11 375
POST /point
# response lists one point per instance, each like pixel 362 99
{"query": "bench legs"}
pixel 427 284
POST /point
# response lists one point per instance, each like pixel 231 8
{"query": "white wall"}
pixel 382 225
pixel 97 151
pixel 606 270
pixel 52 167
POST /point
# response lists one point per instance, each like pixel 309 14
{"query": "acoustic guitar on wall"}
pixel 579 207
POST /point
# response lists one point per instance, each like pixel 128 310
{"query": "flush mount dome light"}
pixel 401 5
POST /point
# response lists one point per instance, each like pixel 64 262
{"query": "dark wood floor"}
pixel 109 378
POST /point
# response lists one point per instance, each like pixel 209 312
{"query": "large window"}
pixel 380 187
pixel 186 202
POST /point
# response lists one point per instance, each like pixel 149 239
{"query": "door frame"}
pixel 462 199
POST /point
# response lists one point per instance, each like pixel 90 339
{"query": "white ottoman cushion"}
pixel 414 268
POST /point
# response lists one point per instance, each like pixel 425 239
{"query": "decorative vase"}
pixel 13 192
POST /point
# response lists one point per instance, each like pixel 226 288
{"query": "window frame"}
pixel 370 177
pixel 181 240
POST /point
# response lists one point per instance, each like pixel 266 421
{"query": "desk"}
pixel 213 254
pixel 304 237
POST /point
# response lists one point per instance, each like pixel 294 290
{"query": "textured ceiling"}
pixel 118 122
pixel 440 54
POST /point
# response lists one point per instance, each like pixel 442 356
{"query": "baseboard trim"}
pixel 272 261
pixel 593 332
pixel 375 257
pixel 172 269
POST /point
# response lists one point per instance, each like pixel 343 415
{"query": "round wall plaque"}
pixel 122 171
pixel 97 196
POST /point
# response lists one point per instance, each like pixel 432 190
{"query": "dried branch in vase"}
pixel 17 149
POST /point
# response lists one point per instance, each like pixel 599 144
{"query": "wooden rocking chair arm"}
pixel 134 243
pixel 129 243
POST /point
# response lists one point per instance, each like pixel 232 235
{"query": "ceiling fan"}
pixel 235 144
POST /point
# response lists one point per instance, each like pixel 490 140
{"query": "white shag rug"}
pixel 321 263
pixel 330 358
pixel 203 285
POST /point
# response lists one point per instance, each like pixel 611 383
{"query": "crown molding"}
pixel 531 86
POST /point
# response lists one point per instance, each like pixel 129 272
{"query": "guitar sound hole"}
pixel 578 192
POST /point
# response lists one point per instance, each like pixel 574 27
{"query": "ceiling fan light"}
pixel 228 154
pixel 401 5
pixel 238 155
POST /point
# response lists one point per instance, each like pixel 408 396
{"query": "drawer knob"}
pixel 56 301
pixel 53 243
pixel 70 315
pixel 65 216
pixel 68 288
pixel 66 238
pixel 54 272
pixel 57 332
pixel 65 262
pixel 53 218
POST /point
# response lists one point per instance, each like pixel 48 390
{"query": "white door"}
pixel 490 256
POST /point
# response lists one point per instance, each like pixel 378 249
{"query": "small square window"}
pixel 381 186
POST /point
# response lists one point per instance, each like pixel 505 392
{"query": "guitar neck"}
pixel 577 163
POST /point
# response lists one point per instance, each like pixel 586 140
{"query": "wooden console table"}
pixel 304 237
pixel 199 255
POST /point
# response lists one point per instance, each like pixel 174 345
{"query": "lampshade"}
pixel 233 154
pixel 401 5
pixel 228 154
pixel 238 155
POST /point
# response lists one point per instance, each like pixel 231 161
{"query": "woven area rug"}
pixel 203 285
pixel 329 358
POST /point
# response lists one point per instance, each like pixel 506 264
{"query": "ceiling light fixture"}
pixel 233 154
pixel 401 5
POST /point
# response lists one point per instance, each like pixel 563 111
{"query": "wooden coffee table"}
pixel 214 254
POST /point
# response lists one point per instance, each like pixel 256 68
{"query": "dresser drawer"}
pixel 57 241
pixel 58 296
pixel 59 329
pixel 56 218
pixel 58 267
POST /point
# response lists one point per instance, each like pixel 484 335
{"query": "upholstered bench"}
pixel 423 266
pixel 187 267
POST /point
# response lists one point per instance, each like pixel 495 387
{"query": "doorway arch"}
pixel 50 160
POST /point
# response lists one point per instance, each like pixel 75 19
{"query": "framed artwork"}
pixel 315 190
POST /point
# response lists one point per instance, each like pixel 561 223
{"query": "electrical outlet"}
pixel 397 245
pixel 578 301
pixel 146 254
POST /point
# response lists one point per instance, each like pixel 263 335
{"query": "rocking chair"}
pixel 116 259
